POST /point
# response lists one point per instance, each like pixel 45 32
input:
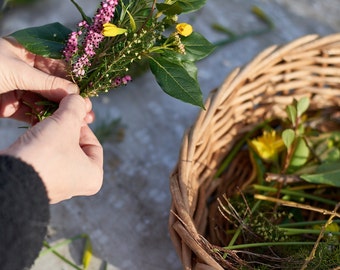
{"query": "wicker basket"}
pixel 308 66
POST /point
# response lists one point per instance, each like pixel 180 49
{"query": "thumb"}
pixel 51 87
pixel 71 113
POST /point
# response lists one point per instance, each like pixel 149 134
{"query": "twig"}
pixel 282 178
pixel 297 205
pixel 322 232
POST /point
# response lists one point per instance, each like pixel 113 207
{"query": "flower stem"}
pixel 295 193
pixel 294 231
pixel 266 244
pixel 239 229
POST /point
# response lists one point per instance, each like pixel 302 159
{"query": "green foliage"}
pixel 327 173
pixel 291 114
pixel 301 153
pixel 47 40
pixel 288 137
pixel 171 7
pixel 175 80
pixel 302 106
pixel 197 47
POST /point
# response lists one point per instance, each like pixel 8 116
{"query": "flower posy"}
pixel 102 49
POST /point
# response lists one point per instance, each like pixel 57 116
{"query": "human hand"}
pixel 25 77
pixel 64 151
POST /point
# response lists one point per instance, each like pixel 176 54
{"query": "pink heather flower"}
pixel 126 79
pixel 92 37
pixel 121 80
pixel 71 46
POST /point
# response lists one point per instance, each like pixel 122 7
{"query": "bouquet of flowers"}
pixel 102 51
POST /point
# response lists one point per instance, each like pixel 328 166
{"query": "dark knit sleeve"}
pixel 24 214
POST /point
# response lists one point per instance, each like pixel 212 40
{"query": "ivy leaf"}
pixel 175 80
pixel 47 40
pixel 327 173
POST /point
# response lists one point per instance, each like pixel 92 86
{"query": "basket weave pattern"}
pixel 308 66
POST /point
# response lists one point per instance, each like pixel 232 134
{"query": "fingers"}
pixel 94 152
pixel 71 112
pixel 91 146
pixel 51 87
pixel 22 70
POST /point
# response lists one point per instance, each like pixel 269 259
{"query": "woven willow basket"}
pixel 308 66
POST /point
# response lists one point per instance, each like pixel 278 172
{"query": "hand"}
pixel 25 77
pixel 64 151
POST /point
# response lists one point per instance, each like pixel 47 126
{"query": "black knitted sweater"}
pixel 24 214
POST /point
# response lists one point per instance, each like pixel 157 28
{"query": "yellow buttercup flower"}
pixel 268 145
pixel 184 29
pixel 111 30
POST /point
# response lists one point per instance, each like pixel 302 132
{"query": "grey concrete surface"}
pixel 127 220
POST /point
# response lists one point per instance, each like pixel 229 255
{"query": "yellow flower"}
pixel 111 30
pixel 184 29
pixel 268 145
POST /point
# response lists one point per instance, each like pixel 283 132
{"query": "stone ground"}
pixel 127 220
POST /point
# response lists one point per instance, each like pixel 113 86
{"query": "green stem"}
pixel 62 257
pixel 65 242
pixel 306 223
pixel 267 244
pixel 239 229
pixel 295 193
pixel 294 231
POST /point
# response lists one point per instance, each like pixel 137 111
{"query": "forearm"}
pixel 24 213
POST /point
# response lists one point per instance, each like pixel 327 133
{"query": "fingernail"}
pixel 72 88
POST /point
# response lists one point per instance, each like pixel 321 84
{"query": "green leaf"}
pixel 191 5
pixel 175 80
pixel 197 47
pixel 132 22
pixel 302 106
pixel 169 9
pixel 301 154
pixel 87 254
pixel 47 40
pixel 327 173
pixel 288 137
pixel 191 69
pixel 82 13
pixel 291 113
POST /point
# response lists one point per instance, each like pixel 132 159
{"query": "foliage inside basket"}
pixel 287 215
